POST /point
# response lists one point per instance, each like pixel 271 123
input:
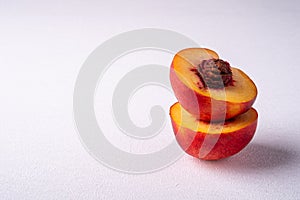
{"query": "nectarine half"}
pixel 208 87
pixel 212 141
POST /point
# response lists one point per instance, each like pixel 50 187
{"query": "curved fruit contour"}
pixel 212 141
pixel 209 104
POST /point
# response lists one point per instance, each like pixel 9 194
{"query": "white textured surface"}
pixel 42 47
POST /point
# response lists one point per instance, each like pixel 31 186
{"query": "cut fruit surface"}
pixel 186 120
pixel 209 104
pixel 212 141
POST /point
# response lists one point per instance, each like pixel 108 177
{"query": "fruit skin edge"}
pixel 227 144
pixel 201 106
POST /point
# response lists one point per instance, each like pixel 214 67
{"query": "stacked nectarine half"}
pixel 213 118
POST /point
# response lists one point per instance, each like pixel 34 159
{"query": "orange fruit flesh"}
pixel 184 119
pixel 243 90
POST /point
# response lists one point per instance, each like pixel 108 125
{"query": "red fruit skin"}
pixel 201 106
pixel 226 144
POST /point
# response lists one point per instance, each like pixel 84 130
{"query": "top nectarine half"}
pixel 208 87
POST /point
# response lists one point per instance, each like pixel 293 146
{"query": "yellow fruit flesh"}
pixel 184 119
pixel 243 90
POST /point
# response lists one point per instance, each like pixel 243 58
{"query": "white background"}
pixel 44 44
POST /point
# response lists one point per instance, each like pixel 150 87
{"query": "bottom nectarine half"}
pixel 212 141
